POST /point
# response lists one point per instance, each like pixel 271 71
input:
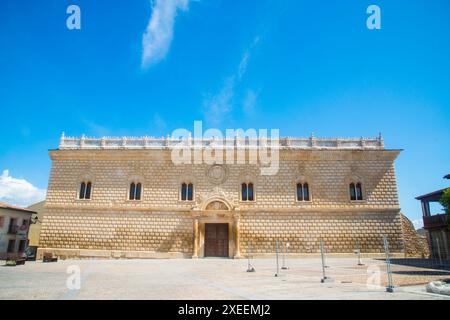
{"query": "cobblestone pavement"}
pixel 202 279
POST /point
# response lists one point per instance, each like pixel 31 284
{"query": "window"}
pixel 12 228
pixel 303 192
pixel 352 192
pixel 138 191
pixel 355 191
pixel 22 245
pixel 358 192
pixel 11 246
pixel 2 222
pixel 135 191
pixel 247 192
pixel 85 190
pixel 187 191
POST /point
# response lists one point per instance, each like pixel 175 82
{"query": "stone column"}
pixel 237 230
pixel 196 239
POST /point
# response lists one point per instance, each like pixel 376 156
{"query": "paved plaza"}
pixel 203 279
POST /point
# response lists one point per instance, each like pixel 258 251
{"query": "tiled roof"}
pixel 5 205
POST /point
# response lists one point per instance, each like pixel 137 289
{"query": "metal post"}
pixel 358 251
pixel 324 277
pixel 283 248
pixel 439 252
pixel 278 268
pixel 286 253
pixel 390 287
pixel 250 268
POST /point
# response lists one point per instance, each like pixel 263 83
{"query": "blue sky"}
pixel 300 66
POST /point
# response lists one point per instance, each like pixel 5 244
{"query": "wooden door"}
pixel 216 240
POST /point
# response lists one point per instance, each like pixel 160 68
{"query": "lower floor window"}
pixel 22 245
pixel 11 245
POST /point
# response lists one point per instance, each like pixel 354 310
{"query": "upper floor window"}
pixel 2 222
pixel 355 191
pixel 85 190
pixel 135 191
pixel 187 191
pixel 303 192
pixel 247 192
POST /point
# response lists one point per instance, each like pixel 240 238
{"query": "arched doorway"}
pixel 215 229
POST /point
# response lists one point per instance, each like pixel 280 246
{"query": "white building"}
pixel 14 226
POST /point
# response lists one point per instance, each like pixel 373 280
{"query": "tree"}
pixel 445 202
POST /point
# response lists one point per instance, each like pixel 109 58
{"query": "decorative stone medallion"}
pixel 216 205
pixel 217 174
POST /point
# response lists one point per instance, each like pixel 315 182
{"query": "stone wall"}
pixel 328 174
pixel 117 233
pixel 416 246
pixel 153 234
pixel 160 224
pixel 341 232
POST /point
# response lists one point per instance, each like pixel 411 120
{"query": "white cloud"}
pixel 159 34
pixel 19 191
pixel 245 57
pixel 217 107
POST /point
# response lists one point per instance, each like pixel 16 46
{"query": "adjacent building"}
pixel 35 227
pixel 14 226
pixel 435 223
pixel 126 197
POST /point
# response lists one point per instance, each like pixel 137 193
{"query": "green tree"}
pixel 445 202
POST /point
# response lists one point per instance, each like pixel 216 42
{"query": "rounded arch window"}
pixel 135 191
pixel 187 191
pixel 355 190
pixel 247 192
pixel 303 192
pixel 85 190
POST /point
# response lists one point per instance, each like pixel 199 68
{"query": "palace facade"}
pixel 126 198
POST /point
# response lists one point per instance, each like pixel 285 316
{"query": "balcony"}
pixel 435 221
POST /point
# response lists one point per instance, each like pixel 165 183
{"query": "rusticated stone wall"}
pixel 416 246
pixel 118 233
pixel 161 225
pixel 341 232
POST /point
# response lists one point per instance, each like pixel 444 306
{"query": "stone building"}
pixel 125 197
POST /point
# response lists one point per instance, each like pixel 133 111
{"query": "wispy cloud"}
pixel 19 192
pixel 245 58
pixel 249 103
pixel 217 107
pixel 159 33
pixel 96 129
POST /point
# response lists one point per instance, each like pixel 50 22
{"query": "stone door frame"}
pixel 202 217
